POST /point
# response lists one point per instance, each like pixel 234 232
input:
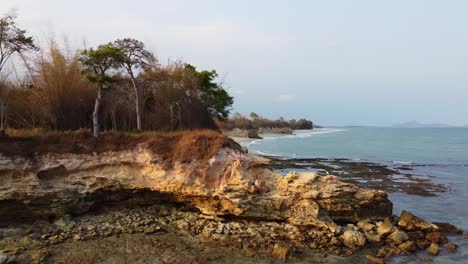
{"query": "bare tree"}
pixel 136 57
pixel 12 39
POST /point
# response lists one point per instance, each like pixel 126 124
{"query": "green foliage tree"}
pixel 97 66
pixel 12 39
pixel 136 57
pixel 212 94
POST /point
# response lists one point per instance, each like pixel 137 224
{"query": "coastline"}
pixel 422 186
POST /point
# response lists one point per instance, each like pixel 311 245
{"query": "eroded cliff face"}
pixel 230 184
pixel 230 198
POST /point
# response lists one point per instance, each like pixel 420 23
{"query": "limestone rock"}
pixel 385 228
pixel 366 226
pixel 281 251
pixel 408 246
pixel 433 249
pixel 75 182
pixel 451 246
pixel 398 237
pixel 448 228
pixel 410 222
pixel 353 239
pixel 436 237
pixel 375 260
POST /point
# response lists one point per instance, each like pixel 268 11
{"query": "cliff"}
pixel 224 194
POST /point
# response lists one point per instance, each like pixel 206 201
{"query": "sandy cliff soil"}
pixel 185 198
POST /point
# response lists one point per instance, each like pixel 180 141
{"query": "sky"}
pixel 360 62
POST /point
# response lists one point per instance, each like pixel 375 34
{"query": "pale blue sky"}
pixel 337 62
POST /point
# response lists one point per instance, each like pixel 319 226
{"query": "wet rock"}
pixel 423 244
pixel 411 222
pixel 447 228
pixel 436 237
pixel 451 246
pixel 353 239
pixel 433 249
pixel 375 260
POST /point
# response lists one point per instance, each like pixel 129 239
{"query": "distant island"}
pixel 416 124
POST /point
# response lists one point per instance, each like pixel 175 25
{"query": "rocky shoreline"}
pixel 216 209
pixel 396 178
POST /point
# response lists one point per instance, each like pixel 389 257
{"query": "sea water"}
pixel 438 153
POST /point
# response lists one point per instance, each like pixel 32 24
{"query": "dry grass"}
pixel 181 146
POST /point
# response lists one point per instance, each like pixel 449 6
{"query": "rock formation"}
pixel 228 197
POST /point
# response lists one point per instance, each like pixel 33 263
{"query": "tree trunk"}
pixel 137 102
pixel 97 105
pixel 2 115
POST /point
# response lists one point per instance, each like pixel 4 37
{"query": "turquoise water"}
pixel 417 145
pixel 438 153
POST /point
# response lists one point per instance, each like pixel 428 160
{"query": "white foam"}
pixel 402 162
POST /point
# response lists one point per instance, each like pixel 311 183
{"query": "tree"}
pixel 3 93
pixel 12 39
pixel 254 116
pixel 135 57
pixel 212 94
pixel 97 66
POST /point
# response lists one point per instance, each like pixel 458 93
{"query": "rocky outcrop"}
pixel 230 184
pixel 231 198
pixel 242 133
pixel 275 130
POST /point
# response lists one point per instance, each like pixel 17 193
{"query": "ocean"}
pixel 436 154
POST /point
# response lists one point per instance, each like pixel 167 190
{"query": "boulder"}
pixel 447 228
pixel 353 239
pixel 433 249
pixel 375 260
pixel 436 237
pixel 408 246
pixel 366 226
pixel 385 228
pixel 282 251
pixel 411 222
pixel 451 246
pixel 398 237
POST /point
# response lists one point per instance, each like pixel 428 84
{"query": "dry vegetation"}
pixel 182 146
pixel 57 97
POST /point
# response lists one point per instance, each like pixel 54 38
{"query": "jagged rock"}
pixel 436 237
pixel 408 246
pixel 447 228
pixel 366 226
pixel 398 237
pixel 353 239
pixel 373 238
pixel 228 198
pixel 433 249
pixel 411 222
pixel 75 182
pixel 385 228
